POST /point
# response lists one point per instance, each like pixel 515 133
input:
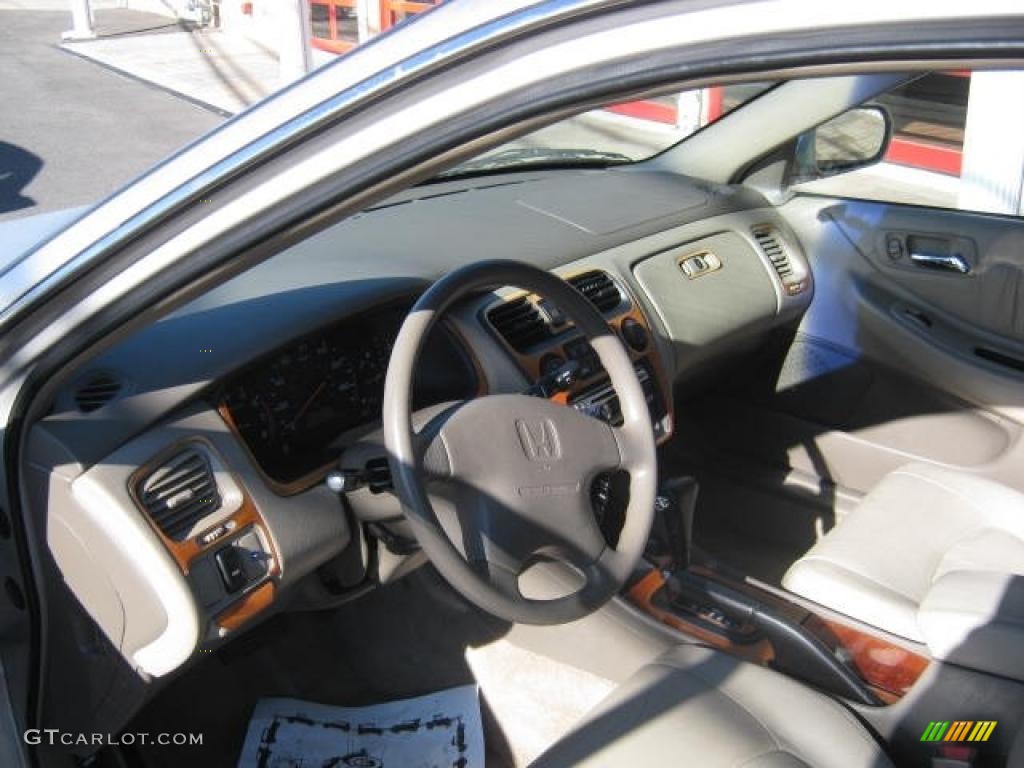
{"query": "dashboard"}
pixel 295 407
pixel 259 387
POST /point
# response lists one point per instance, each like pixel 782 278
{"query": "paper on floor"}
pixel 439 730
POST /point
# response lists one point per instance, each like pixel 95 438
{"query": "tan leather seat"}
pixel 697 706
pixel 920 526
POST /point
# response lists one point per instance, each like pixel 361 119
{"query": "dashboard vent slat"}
pixel 96 391
pixel 772 247
pixel 599 288
pixel 179 493
pixel 520 323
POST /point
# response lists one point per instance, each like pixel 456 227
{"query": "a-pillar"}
pixel 992 175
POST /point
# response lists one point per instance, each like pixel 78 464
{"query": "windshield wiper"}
pixel 537 157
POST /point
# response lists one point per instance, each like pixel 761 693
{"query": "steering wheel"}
pixel 519 467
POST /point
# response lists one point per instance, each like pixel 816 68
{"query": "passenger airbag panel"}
pixel 737 296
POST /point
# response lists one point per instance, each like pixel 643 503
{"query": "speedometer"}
pixel 291 407
pixel 252 414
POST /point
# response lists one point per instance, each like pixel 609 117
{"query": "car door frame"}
pixel 153 246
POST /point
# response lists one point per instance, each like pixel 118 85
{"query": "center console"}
pixel 702 598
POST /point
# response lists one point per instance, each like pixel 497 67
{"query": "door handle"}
pixel 950 263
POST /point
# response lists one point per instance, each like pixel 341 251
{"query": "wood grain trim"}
pixel 787 608
pixel 642 595
pixel 889 670
pixel 529 364
pixel 253 603
pixel 187 550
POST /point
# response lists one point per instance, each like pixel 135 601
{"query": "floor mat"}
pixel 403 640
pixel 439 730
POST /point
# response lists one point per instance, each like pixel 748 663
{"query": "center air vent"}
pixel 179 493
pixel 96 391
pixel 772 247
pixel 599 288
pixel 520 323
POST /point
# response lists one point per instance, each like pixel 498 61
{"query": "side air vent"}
pixel 96 391
pixel 520 323
pixel 599 288
pixel 179 493
pixel 773 248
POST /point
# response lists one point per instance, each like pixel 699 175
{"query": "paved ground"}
pixel 72 131
pixel 226 72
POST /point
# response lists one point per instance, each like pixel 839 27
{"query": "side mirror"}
pixel 855 139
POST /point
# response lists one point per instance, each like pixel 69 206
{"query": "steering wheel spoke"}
pixel 505 581
pixel 632 457
pixel 568 531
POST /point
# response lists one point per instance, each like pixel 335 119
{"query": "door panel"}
pixel 917 250
pixel 897 360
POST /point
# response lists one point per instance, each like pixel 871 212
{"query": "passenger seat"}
pixel 925 549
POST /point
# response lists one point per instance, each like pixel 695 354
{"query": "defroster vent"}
pixel 180 492
pixel 96 391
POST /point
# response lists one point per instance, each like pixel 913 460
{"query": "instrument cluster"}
pixel 291 407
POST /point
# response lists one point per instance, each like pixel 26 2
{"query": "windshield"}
pixel 618 133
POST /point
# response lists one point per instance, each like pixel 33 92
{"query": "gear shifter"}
pixel 676 503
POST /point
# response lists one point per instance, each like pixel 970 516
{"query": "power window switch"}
pixel 231 565
pixel 894 247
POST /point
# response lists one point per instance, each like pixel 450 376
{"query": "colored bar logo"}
pixel 959 730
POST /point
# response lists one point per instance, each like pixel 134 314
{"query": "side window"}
pixel 957 142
